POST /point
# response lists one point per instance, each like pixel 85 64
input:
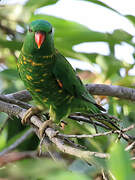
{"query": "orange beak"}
pixel 39 38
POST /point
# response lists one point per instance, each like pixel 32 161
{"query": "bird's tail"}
pixel 96 113
pixel 110 122
pixel 102 118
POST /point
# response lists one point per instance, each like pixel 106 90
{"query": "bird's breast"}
pixel 39 80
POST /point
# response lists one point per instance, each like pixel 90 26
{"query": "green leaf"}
pixel 120 35
pixel 69 175
pixel 42 169
pixel 33 4
pixel 127 81
pixel 119 163
pixel 131 19
pixel 103 5
pixel 3 134
pixel 109 65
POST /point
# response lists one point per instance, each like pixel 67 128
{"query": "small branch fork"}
pixel 12 105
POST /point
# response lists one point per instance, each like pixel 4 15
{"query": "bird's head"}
pixel 39 38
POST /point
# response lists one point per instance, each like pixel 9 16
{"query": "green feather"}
pixel 51 80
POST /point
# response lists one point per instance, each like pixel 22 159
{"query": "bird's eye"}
pixel 30 30
pixel 50 31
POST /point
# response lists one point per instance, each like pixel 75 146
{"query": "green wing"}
pixel 63 72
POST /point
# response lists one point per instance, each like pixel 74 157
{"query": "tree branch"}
pixel 11 102
pixel 71 150
pixel 60 143
pixel 111 90
pixel 23 95
pixel 94 89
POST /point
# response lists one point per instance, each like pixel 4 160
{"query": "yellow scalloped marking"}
pixel 38 90
pixel 49 56
pixel 29 77
pixel 36 64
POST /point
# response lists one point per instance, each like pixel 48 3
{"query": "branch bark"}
pixel 112 90
pixel 94 89
pixel 23 95
pixel 20 112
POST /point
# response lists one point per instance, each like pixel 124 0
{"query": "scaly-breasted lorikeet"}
pixel 50 78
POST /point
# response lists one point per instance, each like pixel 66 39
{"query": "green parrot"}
pixel 50 78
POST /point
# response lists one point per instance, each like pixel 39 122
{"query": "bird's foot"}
pixel 29 113
pixel 45 125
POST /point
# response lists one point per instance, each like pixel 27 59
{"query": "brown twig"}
pixel 16 156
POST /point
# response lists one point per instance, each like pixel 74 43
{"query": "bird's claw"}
pixel 29 113
pixel 48 123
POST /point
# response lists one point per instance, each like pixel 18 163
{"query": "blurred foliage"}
pixel 13 26
pixel 123 170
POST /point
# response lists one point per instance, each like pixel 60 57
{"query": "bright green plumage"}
pixel 50 79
